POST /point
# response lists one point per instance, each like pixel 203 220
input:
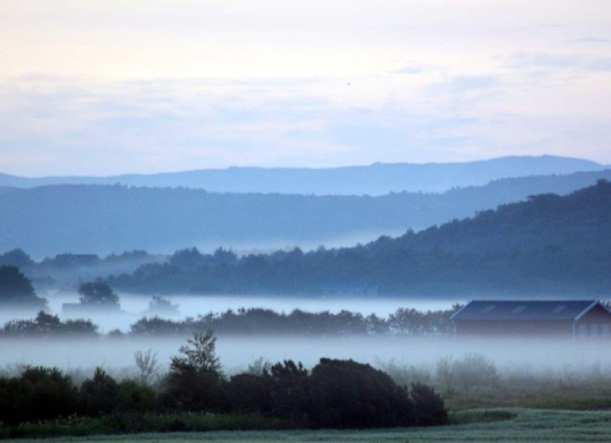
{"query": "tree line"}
pixel 404 321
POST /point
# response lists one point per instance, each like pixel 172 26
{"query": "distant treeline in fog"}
pixel 102 219
pixel 251 321
pixel 549 244
pixel 66 270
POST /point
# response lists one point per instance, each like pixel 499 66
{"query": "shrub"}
pixel 38 394
pixel 99 395
pixel 429 408
pixel 346 394
pixel 250 393
pixel 290 396
pixel 473 370
pixel 186 389
pixel 135 397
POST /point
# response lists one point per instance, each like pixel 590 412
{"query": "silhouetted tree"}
pixel 16 289
pixel 195 381
pixel 98 294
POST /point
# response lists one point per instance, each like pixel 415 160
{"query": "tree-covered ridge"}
pixel 549 244
pixel 104 219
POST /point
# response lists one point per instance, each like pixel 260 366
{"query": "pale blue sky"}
pixel 110 86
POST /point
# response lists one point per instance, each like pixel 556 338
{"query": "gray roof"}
pixel 524 310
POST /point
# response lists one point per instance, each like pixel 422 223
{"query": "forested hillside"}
pixel 111 219
pixel 548 245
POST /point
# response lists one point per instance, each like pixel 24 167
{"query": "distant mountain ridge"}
pixel 550 245
pixel 375 179
pixel 98 219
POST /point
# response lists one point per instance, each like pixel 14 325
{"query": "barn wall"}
pixel 596 323
pixel 514 327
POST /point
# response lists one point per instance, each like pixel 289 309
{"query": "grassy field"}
pixel 498 425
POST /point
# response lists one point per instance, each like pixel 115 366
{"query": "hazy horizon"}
pixel 305 166
pixel 166 87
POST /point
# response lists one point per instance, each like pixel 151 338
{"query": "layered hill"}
pixel 100 219
pixel 375 179
pixel 550 245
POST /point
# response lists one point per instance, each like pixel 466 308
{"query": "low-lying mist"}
pixel 134 306
pixel 526 355
pixel 406 357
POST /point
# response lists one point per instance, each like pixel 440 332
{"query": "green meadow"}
pixel 498 425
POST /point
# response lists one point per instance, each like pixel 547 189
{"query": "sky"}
pixel 103 87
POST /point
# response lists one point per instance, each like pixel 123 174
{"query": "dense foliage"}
pixel 547 244
pixel 335 394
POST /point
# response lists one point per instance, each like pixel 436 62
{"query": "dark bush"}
pixel 189 390
pixel 38 394
pixel 346 394
pixel 429 408
pixel 250 393
pixel 336 394
pixel 135 397
pixel 99 395
pixel 290 394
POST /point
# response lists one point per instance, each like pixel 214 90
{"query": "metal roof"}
pixel 524 310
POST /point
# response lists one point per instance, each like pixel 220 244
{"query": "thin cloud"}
pixel 555 62
pixel 410 70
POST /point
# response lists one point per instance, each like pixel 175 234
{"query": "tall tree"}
pixel 98 294
pixel 16 289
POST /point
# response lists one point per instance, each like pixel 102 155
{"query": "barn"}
pixel 574 318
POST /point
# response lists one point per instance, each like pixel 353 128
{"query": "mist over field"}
pixel 543 356
pixel 134 306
